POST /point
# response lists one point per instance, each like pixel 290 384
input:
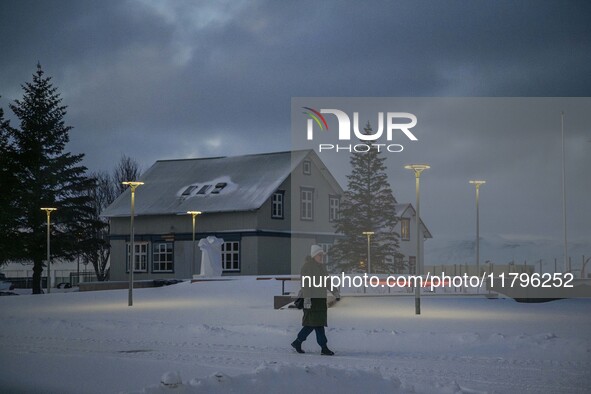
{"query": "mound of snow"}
pixel 288 379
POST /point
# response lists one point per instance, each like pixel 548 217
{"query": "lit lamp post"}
pixel 418 169
pixel 369 234
pixel 477 184
pixel 133 185
pixel 194 215
pixel 48 211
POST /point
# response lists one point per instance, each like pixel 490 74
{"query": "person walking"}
pixel 315 307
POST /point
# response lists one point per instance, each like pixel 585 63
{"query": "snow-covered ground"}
pixel 224 337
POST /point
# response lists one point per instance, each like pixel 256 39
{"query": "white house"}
pixel 254 202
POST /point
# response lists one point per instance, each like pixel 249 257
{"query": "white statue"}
pixel 211 256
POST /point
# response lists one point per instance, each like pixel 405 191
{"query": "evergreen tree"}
pixel 8 194
pixel 368 204
pixel 48 177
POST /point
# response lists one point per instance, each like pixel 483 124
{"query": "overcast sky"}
pixel 160 80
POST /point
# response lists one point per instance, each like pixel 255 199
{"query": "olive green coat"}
pixel 317 315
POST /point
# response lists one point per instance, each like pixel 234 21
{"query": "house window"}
pixel 326 250
pixel 189 190
pixel 162 257
pixel 231 256
pixel 333 208
pixel 218 187
pixel 277 204
pixel 307 203
pixel 140 257
pixel 412 265
pixel 405 229
pixel 204 189
pixel 307 167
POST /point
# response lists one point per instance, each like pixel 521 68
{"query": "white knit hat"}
pixel 315 249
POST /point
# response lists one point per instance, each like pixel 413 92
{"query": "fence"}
pixel 471 270
pixel 575 266
pixel 23 279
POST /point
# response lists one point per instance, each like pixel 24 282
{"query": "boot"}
pixel 297 345
pixel 326 351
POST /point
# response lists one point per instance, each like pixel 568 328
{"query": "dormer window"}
pixel 218 187
pixel 189 190
pixel 204 189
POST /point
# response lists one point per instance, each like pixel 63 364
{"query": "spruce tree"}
pixel 48 176
pixel 8 194
pixel 368 204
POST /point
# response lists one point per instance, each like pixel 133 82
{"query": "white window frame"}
pixel 278 204
pixel 307 203
pixel 334 206
pixel 141 252
pixel 231 256
pixel 159 251
pixel 307 167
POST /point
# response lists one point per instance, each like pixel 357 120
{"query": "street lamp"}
pixel 133 185
pixel 418 169
pixel 477 184
pixel 194 215
pixel 48 211
pixel 369 234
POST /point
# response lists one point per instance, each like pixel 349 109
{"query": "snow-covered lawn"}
pixel 226 337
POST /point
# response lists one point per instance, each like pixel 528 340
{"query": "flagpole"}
pixel 564 193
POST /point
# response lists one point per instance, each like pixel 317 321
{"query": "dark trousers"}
pixel 320 335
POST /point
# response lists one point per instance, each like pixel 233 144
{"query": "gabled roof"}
pixel 408 209
pixel 244 184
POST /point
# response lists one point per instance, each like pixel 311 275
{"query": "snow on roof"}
pixel 217 184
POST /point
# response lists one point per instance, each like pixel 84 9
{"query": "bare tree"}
pixel 106 189
pixel 127 169
pixel 93 242
pixel 103 194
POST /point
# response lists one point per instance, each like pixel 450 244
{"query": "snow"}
pixel 251 181
pixel 225 336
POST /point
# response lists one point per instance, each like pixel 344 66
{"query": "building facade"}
pixel 245 200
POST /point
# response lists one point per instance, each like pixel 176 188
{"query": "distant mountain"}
pixel 504 249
